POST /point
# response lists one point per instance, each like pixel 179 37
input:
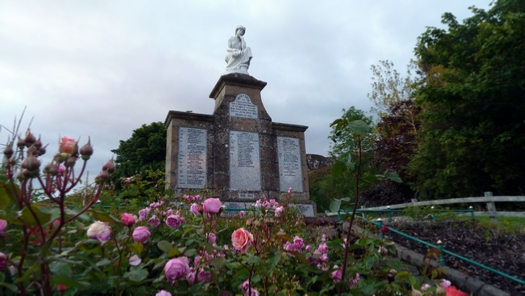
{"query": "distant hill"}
pixel 316 161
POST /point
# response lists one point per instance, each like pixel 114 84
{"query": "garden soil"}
pixel 504 252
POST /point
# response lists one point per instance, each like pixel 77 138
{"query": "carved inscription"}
pixel 243 107
pixel 245 162
pixel 244 195
pixel 192 158
pixel 290 170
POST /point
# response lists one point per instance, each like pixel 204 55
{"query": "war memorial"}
pixel 238 151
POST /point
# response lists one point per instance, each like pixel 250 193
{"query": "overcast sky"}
pixel 104 68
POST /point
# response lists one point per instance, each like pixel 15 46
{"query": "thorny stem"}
pixel 356 199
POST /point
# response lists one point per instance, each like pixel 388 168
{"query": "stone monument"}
pixel 238 150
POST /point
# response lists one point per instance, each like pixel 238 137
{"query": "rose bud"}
pixel 41 150
pixel 21 143
pixel 25 174
pixel 51 169
pixel 86 151
pixel 31 163
pixel 68 145
pixel 70 162
pixel 37 143
pixel 102 177
pixel 8 151
pixel 30 139
pixel 109 166
pixel 58 157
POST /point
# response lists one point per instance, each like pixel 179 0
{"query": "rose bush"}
pixel 69 243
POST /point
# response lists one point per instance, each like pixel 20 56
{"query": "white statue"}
pixel 238 55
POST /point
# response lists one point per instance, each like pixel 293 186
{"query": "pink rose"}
pixel 241 239
pixel 163 293
pixel 128 219
pixel 204 276
pixel 3 225
pixel 174 221
pixel 143 214
pixel 99 230
pixel 195 209
pixel 68 145
pixel 141 234
pixel 279 211
pixel 154 221
pixel 212 238
pixel 212 205
pixel 176 268
pixel 337 274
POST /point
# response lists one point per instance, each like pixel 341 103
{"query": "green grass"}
pixel 510 225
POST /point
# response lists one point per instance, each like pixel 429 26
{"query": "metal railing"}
pixel 439 246
pixel 488 199
pixel 432 212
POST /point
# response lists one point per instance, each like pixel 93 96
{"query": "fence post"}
pixel 471 209
pixel 441 257
pixel 363 214
pixel 380 225
pixel 389 214
pixel 491 208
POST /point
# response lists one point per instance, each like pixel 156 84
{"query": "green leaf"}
pixel 217 262
pixel 335 205
pixel 252 259
pixel 60 268
pixel 359 127
pixel 338 168
pixel 103 262
pixel 369 262
pixel 394 177
pixel 5 198
pixel 164 246
pixel 27 216
pixel 104 217
pixel 300 257
pixel 136 248
pixel 256 278
pixel 174 252
pixel 273 260
pixel 138 275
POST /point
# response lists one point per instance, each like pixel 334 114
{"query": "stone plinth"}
pixel 246 154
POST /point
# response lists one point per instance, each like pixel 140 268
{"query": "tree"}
pixel 145 150
pixel 389 89
pixel 396 130
pixel 347 146
pixel 394 147
pixel 472 136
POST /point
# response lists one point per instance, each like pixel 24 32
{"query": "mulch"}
pixel 504 252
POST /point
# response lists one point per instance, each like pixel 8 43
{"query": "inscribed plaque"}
pixel 245 161
pixel 290 170
pixel 243 107
pixel 233 208
pixel 192 158
pixel 306 209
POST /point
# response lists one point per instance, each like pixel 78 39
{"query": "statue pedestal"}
pixel 237 150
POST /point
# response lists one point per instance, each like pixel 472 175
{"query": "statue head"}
pixel 240 28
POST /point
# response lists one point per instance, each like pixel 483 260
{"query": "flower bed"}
pixel 51 242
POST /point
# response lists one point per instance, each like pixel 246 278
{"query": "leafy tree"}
pixel 347 147
pixel 472 136
pixel 144 151
pixel 397 126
